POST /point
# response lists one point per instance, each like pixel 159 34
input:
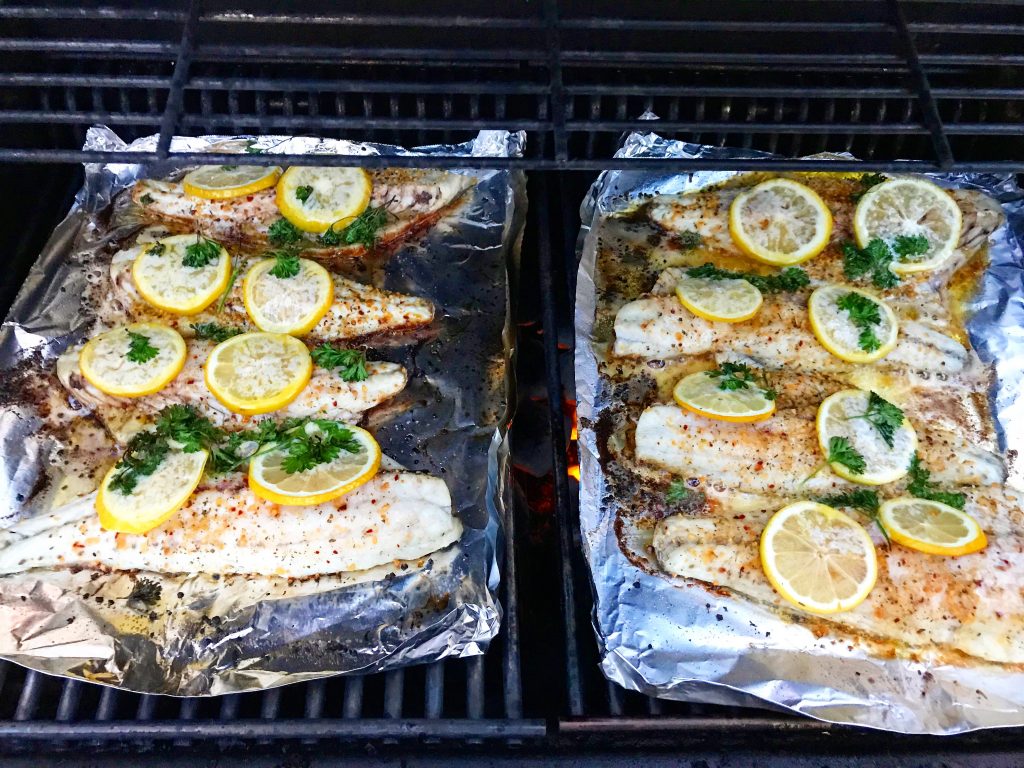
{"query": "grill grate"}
pixel 878 78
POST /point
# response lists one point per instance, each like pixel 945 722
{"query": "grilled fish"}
pixel 971 603
pixel 224 528
pixel 413 198
pixel 325 395
pixel 781 455
pixel 359 311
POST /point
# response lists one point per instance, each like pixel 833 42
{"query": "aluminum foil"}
pixel 672 638
pixel 212 633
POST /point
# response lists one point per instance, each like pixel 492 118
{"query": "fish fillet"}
pixel 780 455
pixel 226 529
pixel 358 311
pixel 325 395
pixel 413 198
pixel 973 603
pixel 779 336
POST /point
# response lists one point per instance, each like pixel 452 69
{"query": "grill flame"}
pixel 573 449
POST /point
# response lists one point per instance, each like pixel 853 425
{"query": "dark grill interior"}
pixel 936 83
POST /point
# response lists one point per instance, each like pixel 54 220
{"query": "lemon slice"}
pixel 702 394
pixel 727 301
pixel 121 362
pixel 909 207
pixel 832 321
pixel 269 480
pixel 155 498
pixel 291 305
pixel 818 558
pixel 842 415
pixel 219 182
pixel 165 282
pixel 931 526
pixel 315 198
pixel 780 221
pixel 258 372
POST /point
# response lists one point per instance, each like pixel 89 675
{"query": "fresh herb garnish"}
pixel 303 193
pixel 883 416
pixel 351 363
pixel 689 240
pixel 861 499
pixel 144 453
pixel 873 260
pixel 733 376
pixel 865 314
pixel 139 348
pixel 157 249
pixel 200 253
pixel 789 279
pixel 229 167
pixel 145 591
pixel 214 331
pixel 287 265
pixel 841 452
pixel 306 448
pixel 363 229
pixel 147 199
pixel 227 289
pixel 187 427
pixel 251 148
pixel 678 492
pixel 867 181
pixel 922 487
pixel 907 246
pixel 282 232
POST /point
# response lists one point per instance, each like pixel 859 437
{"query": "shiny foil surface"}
pixel 676 639
pixel 209 634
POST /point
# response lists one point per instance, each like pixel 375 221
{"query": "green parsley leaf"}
pixel 864 313
pixel 214 331
pixel 867 181
pixel 789 279
pixel 303 193
pixel 139 348
pixel 306 449
pixel 287 265
pixel 861 499
pixel 157 249
pixel 147 199
pixel 201 253
pixel 283 232
pixel 841 452
pixel 883 416
pixel 906 247
pixel 733 376
pixel 186 426
pixel 251 148
pixel 143 454
pixel 363 229
pixel 678 492
pixel 873 260
pixel 922 487
pixel 689 240
pixel 351 363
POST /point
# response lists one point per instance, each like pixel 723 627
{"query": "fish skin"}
pixel 224 528
pixel 779 336
pixel 414 199
pixel 326 395
pixel 971 603
pixel 781 455
pixel 359 311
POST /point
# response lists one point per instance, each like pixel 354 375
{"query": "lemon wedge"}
pixel 845 326
pixel 164 281
pixel 133 360
pixel 727 301
pixel 269 479
pixel 258 372
pixel 701 393
pixel 155 497
pixel 220 182
pixel 847 415
pixel 293 304
pixel 914 208
pixel 931 526
pixel 818 558
pixel 314 199
pixel 780 222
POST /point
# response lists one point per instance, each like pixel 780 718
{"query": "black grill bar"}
pixel 172 112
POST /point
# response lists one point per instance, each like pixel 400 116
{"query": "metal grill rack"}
pixel 937 83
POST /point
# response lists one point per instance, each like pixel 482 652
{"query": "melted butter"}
pixel 962 287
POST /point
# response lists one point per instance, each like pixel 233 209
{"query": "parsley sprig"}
pixel 789 279
pixel 302 193
pixel 144 453
pixel 139 348
pixel 867 181
pixel 922 487
pixel 282 232
pixel 841 451
pixel 350 363
pixel 865 314
pixel 689 240
pixel 733 376
pixel 362 229
pixel 883 416
pixel 201 253
pixel 214 331
pixel 287 264
pixel 874 258
pixel 861 499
